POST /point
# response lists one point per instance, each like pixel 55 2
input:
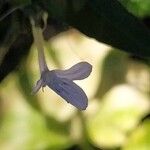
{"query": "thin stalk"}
pixel 38 39
pixel 9 12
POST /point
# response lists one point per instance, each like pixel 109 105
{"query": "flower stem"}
pixel 38 39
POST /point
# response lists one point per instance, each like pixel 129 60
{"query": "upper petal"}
pixel 77 72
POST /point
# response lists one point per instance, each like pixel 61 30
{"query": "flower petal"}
pixel 68 90
pixel 77 72
pixel 38 85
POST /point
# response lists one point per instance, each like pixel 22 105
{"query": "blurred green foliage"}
pixel 44 121
pixel 117 117
pixel 140 8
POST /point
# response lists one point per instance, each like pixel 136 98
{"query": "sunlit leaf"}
pixel 114 69
pixel 140 8
pixel 24 128
pixel 119 113
pixel 140 138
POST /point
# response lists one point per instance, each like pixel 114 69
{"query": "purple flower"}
pixel 61 81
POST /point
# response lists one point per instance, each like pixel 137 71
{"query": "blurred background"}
pixel 118 113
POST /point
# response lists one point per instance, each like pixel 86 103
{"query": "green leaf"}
pixel 27 130
pixel 109 22
pixel 23 127
pixel 120 112
pixel 9 31
pixel 123 29
pixel 114 70
pixel 139 8
pixel 140 138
